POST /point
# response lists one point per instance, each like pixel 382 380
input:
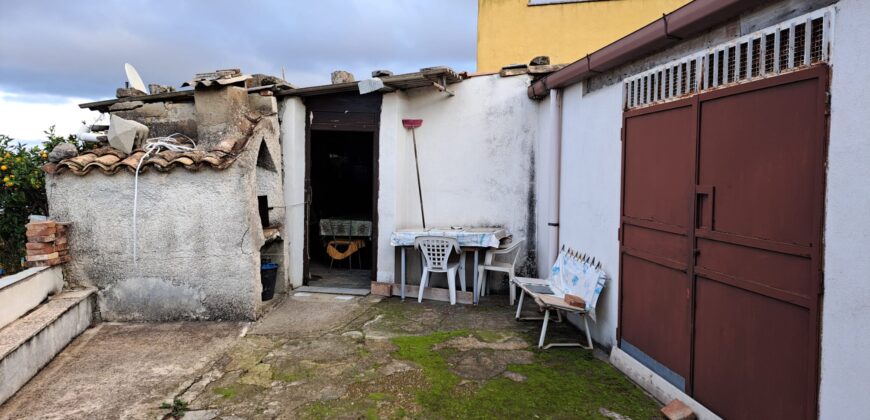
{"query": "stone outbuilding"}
pixel 207 217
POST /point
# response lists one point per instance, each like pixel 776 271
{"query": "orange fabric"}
pixel 352 247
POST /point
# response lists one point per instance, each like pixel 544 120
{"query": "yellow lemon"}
pixel 3 168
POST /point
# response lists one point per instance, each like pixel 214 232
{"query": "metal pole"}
pixel 419 188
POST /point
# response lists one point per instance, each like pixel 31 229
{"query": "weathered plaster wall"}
pixel 270 183
pixel 590 192
pixel 293 145
pixel 476 152
pixel 391 181
pixel 198 239
pixel 845 308
pixel 476 161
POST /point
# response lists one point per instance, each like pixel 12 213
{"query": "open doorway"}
pixel 341 214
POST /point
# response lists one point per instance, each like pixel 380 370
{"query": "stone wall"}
pixel 199 237
pixel 197 251
pixel 162 118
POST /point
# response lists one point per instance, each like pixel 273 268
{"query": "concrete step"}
pixel 29 343
pixel 333 290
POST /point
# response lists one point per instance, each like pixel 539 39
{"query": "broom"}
pixel 412 124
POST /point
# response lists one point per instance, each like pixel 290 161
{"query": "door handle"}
pixel 704 206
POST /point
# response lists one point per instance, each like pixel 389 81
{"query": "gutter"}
pixel 670 29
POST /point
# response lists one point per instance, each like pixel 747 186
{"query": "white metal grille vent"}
pixel 788 46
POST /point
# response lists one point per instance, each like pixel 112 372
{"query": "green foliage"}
pixel 22 192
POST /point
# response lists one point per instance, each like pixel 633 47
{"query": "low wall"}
pixel 27 346
pixel 21 292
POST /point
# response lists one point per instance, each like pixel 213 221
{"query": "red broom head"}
pixel 412 123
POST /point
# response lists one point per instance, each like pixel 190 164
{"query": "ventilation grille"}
pixel 789 46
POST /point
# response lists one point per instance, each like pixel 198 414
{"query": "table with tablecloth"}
pixel 470 239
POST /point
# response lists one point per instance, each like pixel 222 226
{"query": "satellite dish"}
pixel 134 79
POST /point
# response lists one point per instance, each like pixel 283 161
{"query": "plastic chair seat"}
pixel 436 252
pixel 510 253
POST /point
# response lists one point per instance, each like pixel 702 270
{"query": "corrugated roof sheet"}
pixel 423 78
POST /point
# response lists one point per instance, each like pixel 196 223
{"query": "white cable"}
pixel 154 145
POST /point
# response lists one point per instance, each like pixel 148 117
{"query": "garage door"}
pixel 720 284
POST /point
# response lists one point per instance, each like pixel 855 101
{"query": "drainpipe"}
pixel 554 175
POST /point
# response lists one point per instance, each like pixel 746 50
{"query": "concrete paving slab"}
pixel 121 371
pixel 320 357
pixel 334 290
pixel 314 313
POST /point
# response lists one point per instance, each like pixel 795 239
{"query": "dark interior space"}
pixel 342 192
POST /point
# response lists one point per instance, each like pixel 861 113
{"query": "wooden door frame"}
pixel 354 106
pixel 375 190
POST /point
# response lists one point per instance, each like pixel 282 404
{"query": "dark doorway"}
pixel 341 213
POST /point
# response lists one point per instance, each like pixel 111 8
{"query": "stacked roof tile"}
pixel 110 161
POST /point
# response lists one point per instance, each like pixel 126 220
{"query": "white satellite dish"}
pixel 134 79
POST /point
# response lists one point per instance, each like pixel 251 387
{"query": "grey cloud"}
pixel 78 49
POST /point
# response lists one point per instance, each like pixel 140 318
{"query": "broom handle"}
pixel 419 188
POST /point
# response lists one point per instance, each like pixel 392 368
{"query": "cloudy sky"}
pixel 57 54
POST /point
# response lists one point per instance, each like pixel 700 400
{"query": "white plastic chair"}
pixel 501 260
pixel 436 252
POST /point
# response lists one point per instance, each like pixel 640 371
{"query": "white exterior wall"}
pixel 845 376
pixel 476 158
pixel 476 163
pixel 391 146
pixel 293 145
pixel 591 173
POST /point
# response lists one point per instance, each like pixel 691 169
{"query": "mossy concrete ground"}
pixel 325 356
pixel 392 359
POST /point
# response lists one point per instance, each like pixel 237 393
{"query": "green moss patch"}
pixel 561 383
pixel 227 392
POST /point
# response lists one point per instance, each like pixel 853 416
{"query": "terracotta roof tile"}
pixel 110 161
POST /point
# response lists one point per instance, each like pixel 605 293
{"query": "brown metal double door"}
pixel 722 208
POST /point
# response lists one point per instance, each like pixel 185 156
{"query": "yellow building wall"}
pixel 512 32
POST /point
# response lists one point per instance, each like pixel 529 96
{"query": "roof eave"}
pixel 668 30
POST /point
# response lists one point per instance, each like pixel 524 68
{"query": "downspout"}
pixel 554 175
